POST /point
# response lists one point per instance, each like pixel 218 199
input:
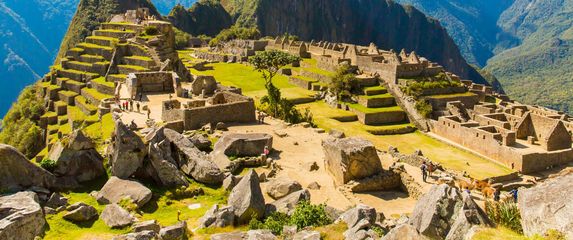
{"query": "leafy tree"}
pixel 48 164
pixel 235 33
pixel 343 82
pixel 269 63
pixel 181 39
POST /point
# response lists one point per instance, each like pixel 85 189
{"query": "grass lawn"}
pixel 501 233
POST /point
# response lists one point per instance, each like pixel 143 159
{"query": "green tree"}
pixel 343 82
pixel 269 63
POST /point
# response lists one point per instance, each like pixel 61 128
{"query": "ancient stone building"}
pixel 153 82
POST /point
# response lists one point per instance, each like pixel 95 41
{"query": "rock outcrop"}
pixel 76 158
pixel 359 220
pixel 80 212
pixel 287 204
pixel 280 187
pixel 350 159
pixel 174 232
pixel 127 151
pixel 150 225
pixel 165 166
pixel 18 173
pixel 247 199
pixel 404 232
pixel 239 145
pixel 21 217
pixel 143 235
pixel 192 161
pixel 116 189
pixel 218 217
pixel 445 213
pixel 115 216
pixel 548 206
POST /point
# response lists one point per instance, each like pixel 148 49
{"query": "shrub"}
pixel 48 164
pixel 181 39
pixel 424 108
pixel 150 31
pixel 505 214
pixel 127 204
pixel 274 223
pixel 184 192
pixel 306 215
pixel 343 83
pixel 235 33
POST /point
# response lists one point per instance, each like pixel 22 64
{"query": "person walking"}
pixel 137 104
pixel 496 195
pixel 514 194
pixel 148 112
pixel 424 169
pixel 131 105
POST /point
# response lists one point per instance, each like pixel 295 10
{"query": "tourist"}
pixel 170 97
pixel 467 190
pixel 178 215
pixel 265 153
pixel 514 194
pixel 137 104
pixel 140 96
pixel 424 169
pixel 148 112
pixel 496 195
pixel 131 105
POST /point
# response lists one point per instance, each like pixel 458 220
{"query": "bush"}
pixel 305 215
pixel 48 164
pixel 184 192
pixel 151 31
pixel 343 83
pixel 235 33
pixel 424 108
pixel 505 214
pixel 127 204
pixel 181 39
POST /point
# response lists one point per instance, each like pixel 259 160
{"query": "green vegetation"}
pixel 343 83
pixel 505 214
pixel 48 164
pixel 235 33
pixel 181 39
pixel 20 125
pixel 102 81
pixel 423 107
pixel 305 215
pixel 416 86
pixel 364 109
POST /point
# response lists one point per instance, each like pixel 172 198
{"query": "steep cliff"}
pixel 92 12
pixel 384 22
pixel 204 17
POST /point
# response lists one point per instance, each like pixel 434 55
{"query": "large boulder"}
pixel 193 161
pixel 143 235
pixel 548 206
pixel 21 216
pixel 150 225
pixel 247 199
pixel 444 212
pixel 287 204
pixel 280 187
pixel 239 145
pixel 165 166
pixel 127 151
pixel 18 173
pixel 174 232
pixel 218 217
pixel 200 141
pixel 116 189
pixel 359 220
pixel 404 232
pixel 80 212
pixel 56 200
pixel 77 158
pixel 115 216
pixel 351 158
pixel 307 235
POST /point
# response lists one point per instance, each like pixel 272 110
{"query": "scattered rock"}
pixel 143 235
pixel 80 212
pixel 281 187
pixel 116 189
pixel 200 141
pixel 360 231
pixel 21 216
pixel 404 232
pixel 280 133
pixel 115 216
pixel 150 225
pixel 247 199
pixel 239 145
pixel 353 216
pixel 221 126
pixel 313 186
pixel 49 211
pixel 287 204
pixel 289 232
pixel 192 161
pixel 305 125
pixel 217 217
pixel 336 134
pixel 165 166
pixel 307 235
pixel 444 213
pixel 351 158
pixel 18 173
pixel 260 234
pixel 77 158
pixel 174 232
pixel 56 200
pixel 127 151
pixel 548 206
pixel 230 182
pixel 263 177
pixel 319 130
pixel 311 166
pixel 333 213
pixel 229 236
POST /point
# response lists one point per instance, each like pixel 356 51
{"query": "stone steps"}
pixel 80 66
pixel 77 75
pixel 377 101
pixel 67 97
pixel 127 69
pixel 101 40
pixel 375 90
pixel 141 61
pixel 75 53
pixel 95 49
pixel 378 116
pixel 73 86
pixel 91 58
pixel 83 104
pixel 103 86
pixel 116 77
pixel 114 33
pixel 120 26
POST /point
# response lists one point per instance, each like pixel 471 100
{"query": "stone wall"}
pixel 440 102
pixel 239 112
pixel 380 118
pixel 146 82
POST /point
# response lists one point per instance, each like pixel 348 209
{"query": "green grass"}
pixel 133 67
pixel 77 49
pixel 60 104
pixel 466 94
pixel 111 39
pixel 80 63
pixel 68 93
pixel 91 45
pixel 84 102
pixel 102 81
pixel 364 109
pixel 81 72
pixel 101 131
pixel 142 58
pixel 501 233
pixel 95 94
pixel 73 82
pixel 92 56
pixel 385 95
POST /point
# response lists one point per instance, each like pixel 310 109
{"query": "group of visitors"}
pixel 128 105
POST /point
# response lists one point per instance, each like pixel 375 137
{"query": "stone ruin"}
pixel 225 107
pixel 153 82
pixel 524 138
